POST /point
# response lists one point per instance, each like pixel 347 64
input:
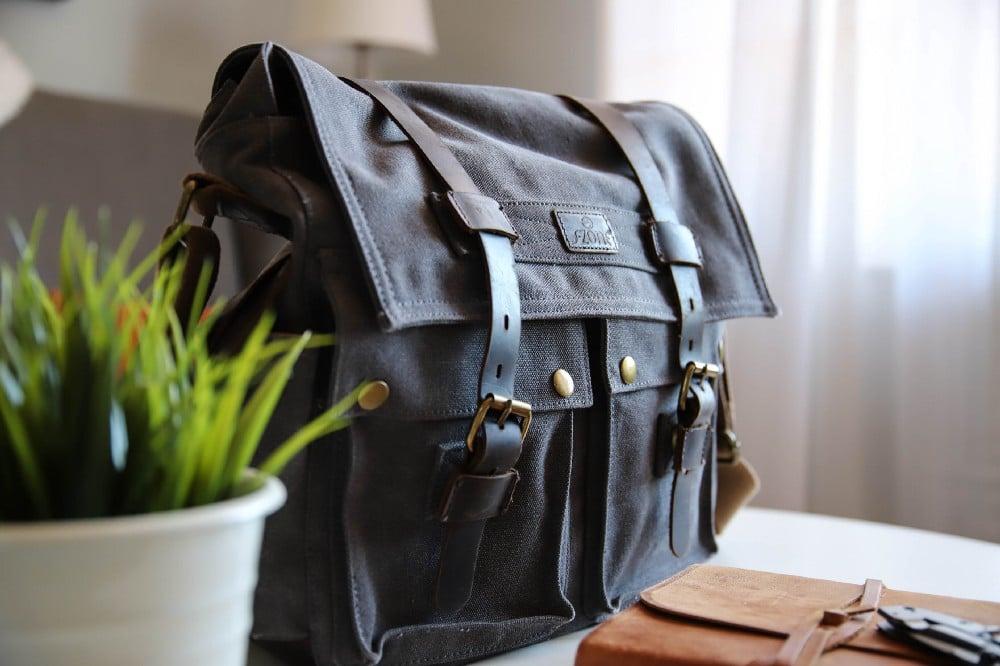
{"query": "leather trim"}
pixel 496 448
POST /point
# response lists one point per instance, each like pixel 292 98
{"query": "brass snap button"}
pixel 562 382
pixel 628 369
pixel 373 395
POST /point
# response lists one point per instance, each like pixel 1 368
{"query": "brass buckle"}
pixel 506 407
pixel 699 370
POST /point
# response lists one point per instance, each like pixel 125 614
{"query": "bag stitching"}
pixel 563 204
pixel 535 300
pixel 412 314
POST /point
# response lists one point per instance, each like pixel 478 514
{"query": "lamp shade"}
pixel 402 24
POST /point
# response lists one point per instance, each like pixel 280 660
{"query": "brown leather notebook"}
pixel 720 615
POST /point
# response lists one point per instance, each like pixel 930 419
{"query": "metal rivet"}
pixel 562 382
pixel 373 395
pixel 628 369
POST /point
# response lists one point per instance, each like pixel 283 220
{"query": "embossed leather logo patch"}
pixel 586 231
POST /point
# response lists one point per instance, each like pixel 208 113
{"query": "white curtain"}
pixel 862 140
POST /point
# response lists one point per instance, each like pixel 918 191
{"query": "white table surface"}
pixel 836 548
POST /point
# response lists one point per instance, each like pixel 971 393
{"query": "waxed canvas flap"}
pixel 557 175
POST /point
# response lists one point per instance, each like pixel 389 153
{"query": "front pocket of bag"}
pixel 394 537
pixel 630 504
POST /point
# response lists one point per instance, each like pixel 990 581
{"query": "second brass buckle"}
pixel 695 369
pixel 506 407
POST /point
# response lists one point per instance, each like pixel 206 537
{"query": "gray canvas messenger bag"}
pixel 538 285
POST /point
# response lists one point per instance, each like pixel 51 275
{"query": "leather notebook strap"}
pixel 685 444
pixel 483 489
pixel 806 644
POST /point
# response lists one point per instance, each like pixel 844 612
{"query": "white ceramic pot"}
pixel 163 589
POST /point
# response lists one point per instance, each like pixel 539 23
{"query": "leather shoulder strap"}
pixel 634 147
pixel 437 154
pixel 488 479
pixel 464 193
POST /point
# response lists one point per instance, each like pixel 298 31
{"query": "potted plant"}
pixel 130 521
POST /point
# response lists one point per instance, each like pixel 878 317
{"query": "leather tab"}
pixel 472 497
pixel 674 244
pixel 481 213
pixel 586 231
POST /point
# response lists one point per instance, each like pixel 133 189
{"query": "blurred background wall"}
pixel 861 139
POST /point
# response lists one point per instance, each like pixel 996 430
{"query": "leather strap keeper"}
pixel 674 244
pixel 481 213
pixel 474 497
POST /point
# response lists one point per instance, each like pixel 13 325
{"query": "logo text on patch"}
pixel 587 231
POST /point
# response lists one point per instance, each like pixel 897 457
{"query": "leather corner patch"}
pixel 586 231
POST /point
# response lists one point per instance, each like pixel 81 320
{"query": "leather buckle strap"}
pixel 674 245
pixel 684 448
pixel 188 187
pixel 728 446
pixel 494 447
pixel 832 628
pixel 211 196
